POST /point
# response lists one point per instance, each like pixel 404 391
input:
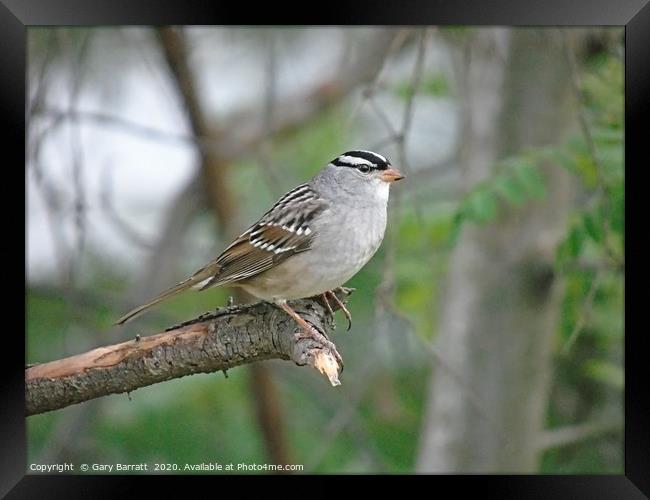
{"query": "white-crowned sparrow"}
pixel 314 239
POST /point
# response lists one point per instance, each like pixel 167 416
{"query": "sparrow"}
pixel 313 240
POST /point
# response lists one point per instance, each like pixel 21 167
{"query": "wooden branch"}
pixel 218 341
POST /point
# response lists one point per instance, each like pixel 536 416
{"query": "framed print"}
pixel 383 239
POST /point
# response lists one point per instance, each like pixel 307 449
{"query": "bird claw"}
pixel 327 304
pixel 346 311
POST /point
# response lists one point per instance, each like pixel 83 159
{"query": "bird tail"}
pixel 170 292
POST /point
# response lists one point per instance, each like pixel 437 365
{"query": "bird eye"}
pixel 363 168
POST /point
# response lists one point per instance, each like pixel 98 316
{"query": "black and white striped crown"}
pixel 361 157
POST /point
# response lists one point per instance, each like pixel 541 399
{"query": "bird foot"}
pixel 321 338
pixel 341 304
pixel 309 331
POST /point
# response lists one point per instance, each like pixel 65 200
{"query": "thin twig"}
pixel 77 163
pixel 603 189
pixel 407 115
pixel 370 91
pixel 394 135
pixel 576 83
pixel 572 434
pixel 585 311
pixel 128 126
pixel 39 82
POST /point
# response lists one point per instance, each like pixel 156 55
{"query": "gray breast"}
pixel 345 247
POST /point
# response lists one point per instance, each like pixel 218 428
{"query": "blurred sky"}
pixel 124 76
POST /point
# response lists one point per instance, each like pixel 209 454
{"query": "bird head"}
pixel 367 165
pixel 358 178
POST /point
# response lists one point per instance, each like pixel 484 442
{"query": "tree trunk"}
pixel 486 412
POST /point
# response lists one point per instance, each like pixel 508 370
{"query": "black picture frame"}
pixel 634 15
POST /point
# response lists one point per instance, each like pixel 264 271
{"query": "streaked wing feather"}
pixel 281 232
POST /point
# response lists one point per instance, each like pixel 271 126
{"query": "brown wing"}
pixel 281 232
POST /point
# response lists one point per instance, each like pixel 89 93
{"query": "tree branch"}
pixel 571 434
pixel 218 341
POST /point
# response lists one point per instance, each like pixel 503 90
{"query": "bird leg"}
pixel 312 332
pixel 307 327
pixel 345 310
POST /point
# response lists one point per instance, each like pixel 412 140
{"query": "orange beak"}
pixel 391 175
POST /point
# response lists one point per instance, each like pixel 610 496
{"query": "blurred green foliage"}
pixel 589 360
pixel 593 249
pixel 591 326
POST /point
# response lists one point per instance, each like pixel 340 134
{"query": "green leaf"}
pixel 456 225
pixel 607 135
pixel 606 372
pixel 508 187
pixel 481 205
pixel 561 254
pixel 576 241
pixel 611 157
pixel 587 169
pixel 617 207
pixel 531 178
pixel 440 230
pixel 561 156
pixel 593 227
